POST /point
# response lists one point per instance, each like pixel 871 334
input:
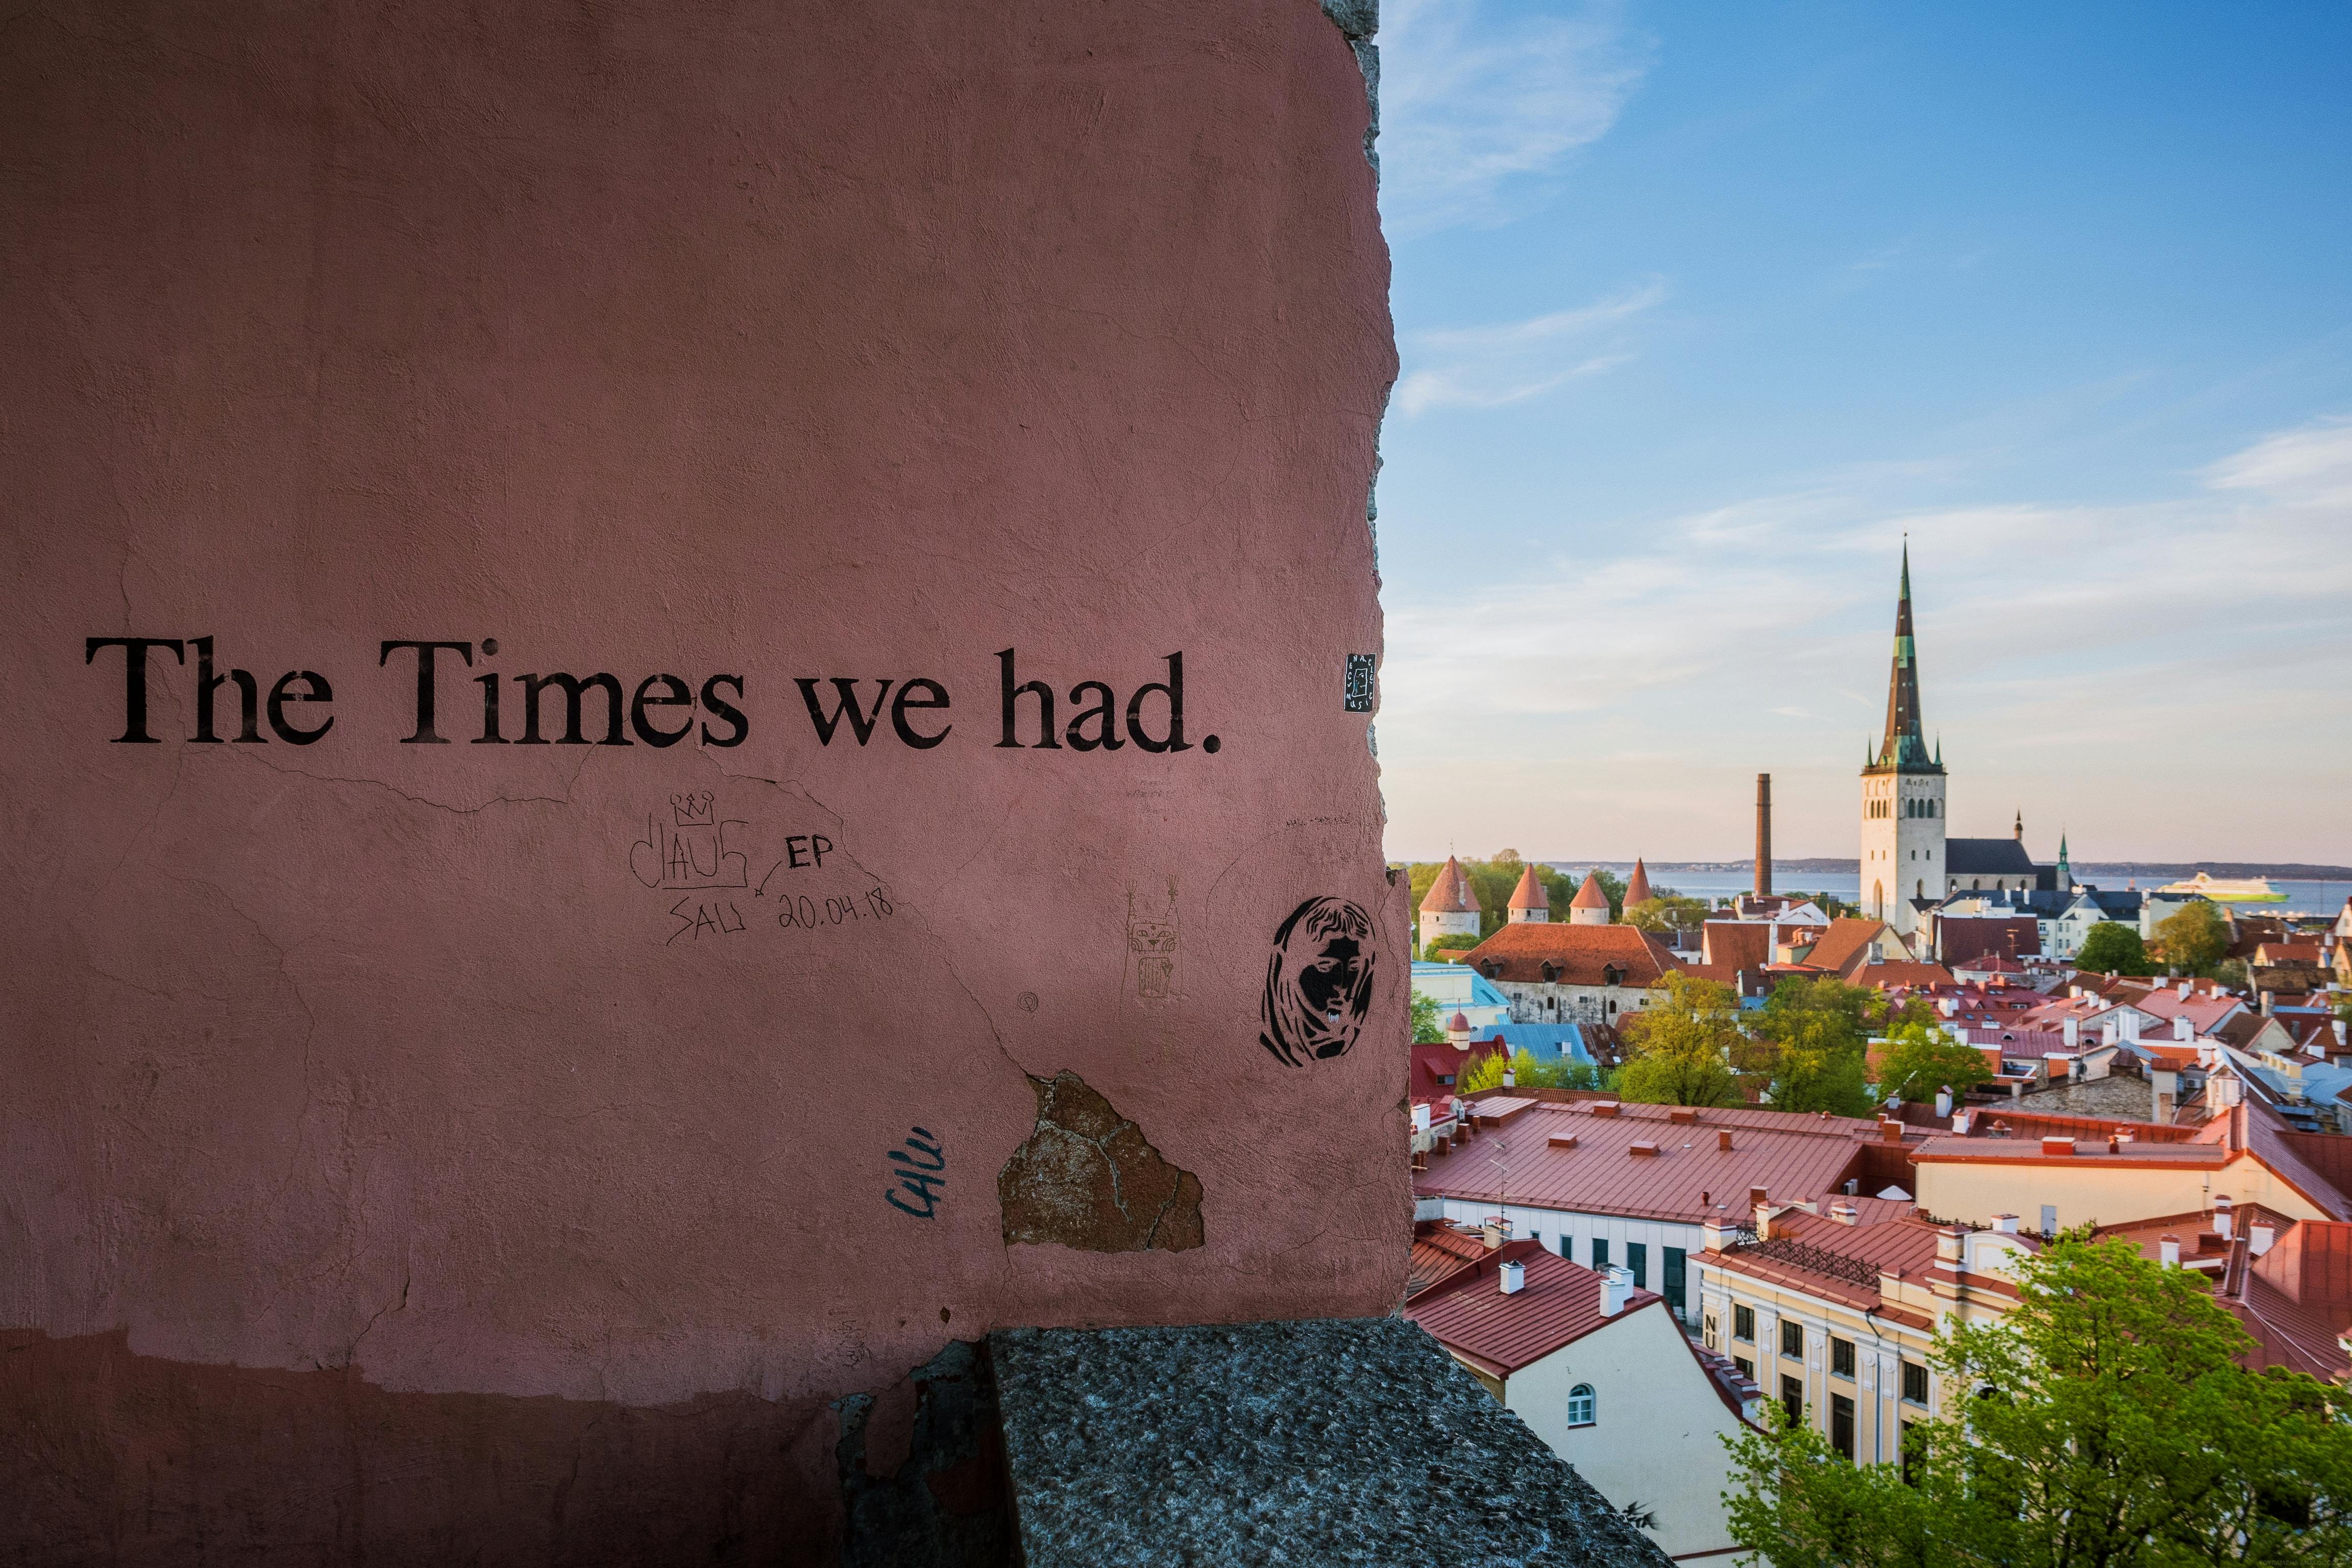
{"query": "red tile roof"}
pixel 1589 896
pixel 1558 1304
pixel 1899 1242
pixel 1736 944
pixel 1963 936
pixel 1690 1178
pixel 1637 886
pixel 2297 1298
pixel 1433 1064
pixel 1579 954
pixel 1529 893
pixel 1438 1249
pixel 1450 893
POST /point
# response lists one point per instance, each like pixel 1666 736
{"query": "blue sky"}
pixel 1702 307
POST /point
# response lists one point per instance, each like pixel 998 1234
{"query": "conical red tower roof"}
pixel 1589 896
pixel 1529 893
pixel 1637 888
pixel 1450 894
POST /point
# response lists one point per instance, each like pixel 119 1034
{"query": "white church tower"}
pixel 1902 795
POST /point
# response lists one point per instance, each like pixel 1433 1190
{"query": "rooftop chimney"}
pixel 1514 1276
pixel 1763 836
pixel 2073 1029
pixel 2006 1224
pixel 1757 1198
pixel 1722 1139
pixel 1494 1234
pixel 2167 1250
pixel 1715 1232
pixel 1510 1078
pixel 2269 1003
pixel 2222 1215
pixel 1843 1212
pixel 1943 1101
pixel 1951 1244
pixel 1616 1284
pixel 2183 1030
pixel 2259 1237
pixel 2058 1146
pixel 2130 1022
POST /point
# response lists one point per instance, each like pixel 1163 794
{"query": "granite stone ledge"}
pixel 1351 1440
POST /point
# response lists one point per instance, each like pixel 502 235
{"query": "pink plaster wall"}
pixel 367 1145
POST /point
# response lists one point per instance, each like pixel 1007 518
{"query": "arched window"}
pixel 1878 901
pixel 1581 1407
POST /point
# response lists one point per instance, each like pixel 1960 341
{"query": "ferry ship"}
pixel 2228 890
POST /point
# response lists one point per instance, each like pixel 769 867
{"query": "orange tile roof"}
pixel 1844 948
pixel 1883 975
pixel 1689 1178
pixel 1579 954
pixel 1637 886
pixel 1589 896
pixel 1558 1304
pixel 1529 893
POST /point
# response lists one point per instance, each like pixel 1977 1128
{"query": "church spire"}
pixel 1905 745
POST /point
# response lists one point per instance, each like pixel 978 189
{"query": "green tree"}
pixel 1455 944
pixel 2109 948
pixel 1682 1041
pixel 1560 1072
pixel 2193 937
pixel 1427 1030
pixel 1669 910
pixel 1818 1031
pixel 1921 1058
pixel 2110 1426
pixel 1486 1072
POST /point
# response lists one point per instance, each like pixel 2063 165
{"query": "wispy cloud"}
pixel 1485 367
pixel 2126 667
pixel 1479 101
pixel 2309 467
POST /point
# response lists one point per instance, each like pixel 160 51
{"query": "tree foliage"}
pixel 2111 947
pixel 2193 937
pixel 1683 1041
pixel 1559 1072
pixel 1427 1028
pixel 1485 1072
pixel 1817 1034
pixel 1669 910
pixel 2111 1426
pixel 1921 1058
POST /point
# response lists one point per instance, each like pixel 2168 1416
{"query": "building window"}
pixel 1743 1323
pixel 1599 1255
pixel 1915 1453
pixel 1793 1339
pixel 1841 1358
pixel 1637 1259
pixel 1580 1405
pixel 1747 1368
pixel 1793 1399
pixel 1842 1424
pixel 1677 1280
pixel 1915 1382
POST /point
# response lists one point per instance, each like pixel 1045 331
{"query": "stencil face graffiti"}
pixel 1319 982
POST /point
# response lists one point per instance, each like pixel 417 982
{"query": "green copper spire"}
pixel 1905 745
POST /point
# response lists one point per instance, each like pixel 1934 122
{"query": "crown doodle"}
pixel 693 809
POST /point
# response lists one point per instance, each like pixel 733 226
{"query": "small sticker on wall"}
pixel 1359 683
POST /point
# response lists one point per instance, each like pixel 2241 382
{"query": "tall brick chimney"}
pixel 1763 834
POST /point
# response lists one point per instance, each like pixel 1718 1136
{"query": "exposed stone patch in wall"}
pixel 1087 1178
pixel 939 1497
